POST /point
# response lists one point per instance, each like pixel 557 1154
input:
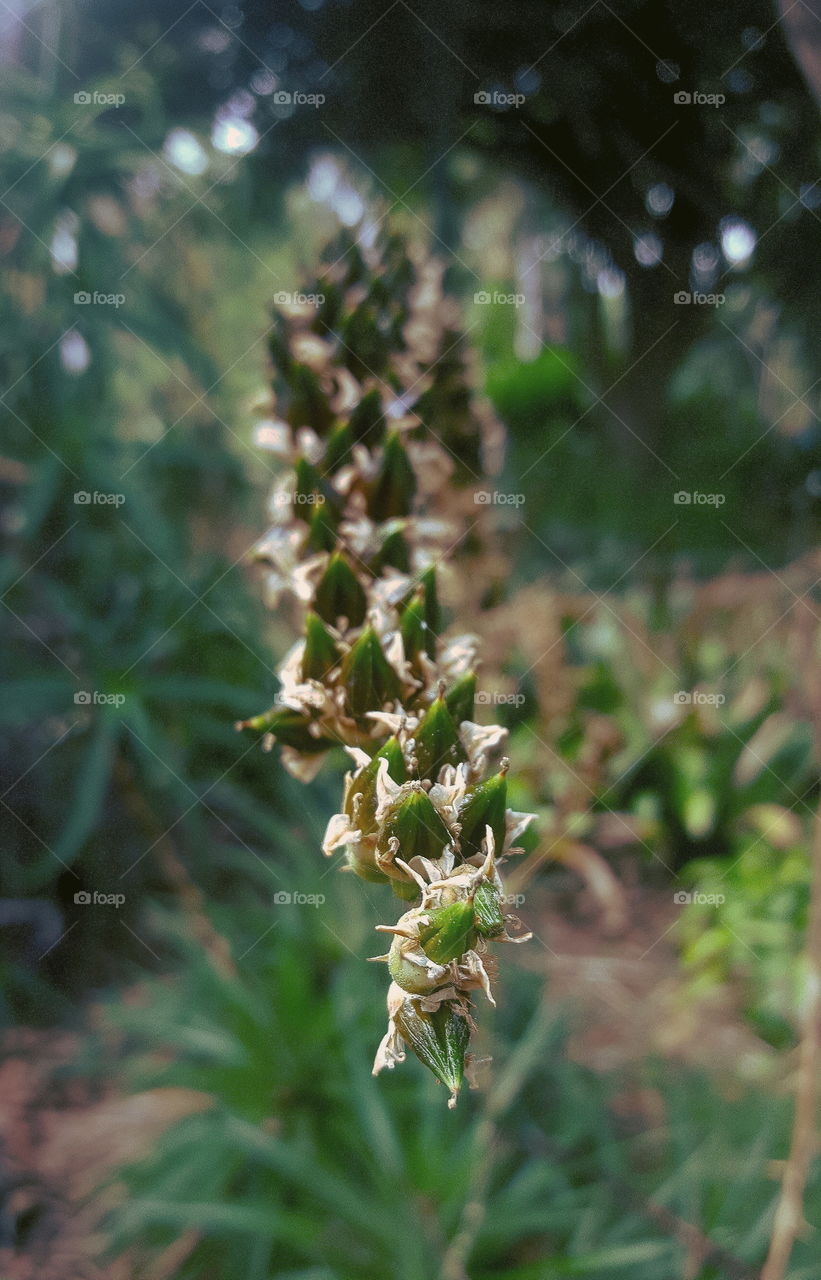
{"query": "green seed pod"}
pixel 338 450
pixel 364 784
pixel 433 614
pixel 486 806
pixel 460 698
pixel 488 915
pixel 418 827
pixel 320 653
pixel 436 741
pixel 395 484
pixel 406 890
pixel 394 553
pixel 413 628
pixel 288 727
pixel 368 419
pixel 366 870
pixel 409 974
pixel 339 594
pixel 370 680
pixel 451 932
pixel 308 493
pixel 438 1039
pixel 322 524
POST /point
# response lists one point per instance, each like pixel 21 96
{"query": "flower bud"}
pixel 486 806
pixel 394 552
pixel 369 679
pixel 320 654
pixel 450 933
pixel 368 419
pixel 487 907
pixel 439 1040
pixel 395 485
pixel 322 524
pixel 339 593
pixel 338 449
pixel 308 489
pixel 433 614
pixel 413 628
pixel 436 741
pixel 289 727
pixel 461 697
pixel 418 826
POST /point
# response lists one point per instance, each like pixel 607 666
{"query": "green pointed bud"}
pixel 308 494
pixel 413 628
pixel 288 727
pixel 439 1040
pixel 406 890
pixel 460 698
pixel 322 523
pixel 395 484
pixel 339 594
pixel 369 679
pixel 365 870
pixel 394 552
pixel 320 654
pixel 368 419
pixel 338 450
pixel 436 741
pixel 363 784
pixel 486 806
pixel 433 614
pixel 487 908
pixel 418 826
pixel 451 932
pixel 309 405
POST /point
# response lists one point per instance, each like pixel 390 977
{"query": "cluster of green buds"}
pixel 382 439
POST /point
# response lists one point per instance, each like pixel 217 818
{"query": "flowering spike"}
pixel 360 527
